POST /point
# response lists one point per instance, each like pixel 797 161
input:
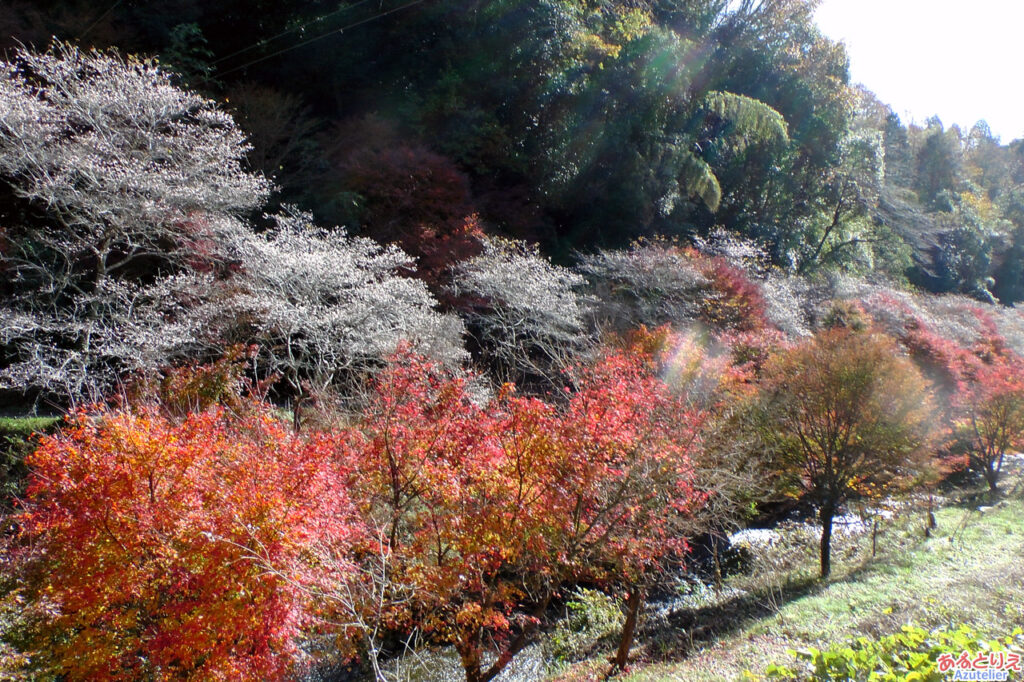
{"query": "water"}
pixel 441 664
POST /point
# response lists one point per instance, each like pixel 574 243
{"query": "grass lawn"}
pixel 970 571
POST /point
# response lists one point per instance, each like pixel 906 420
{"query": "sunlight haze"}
pixel 957 60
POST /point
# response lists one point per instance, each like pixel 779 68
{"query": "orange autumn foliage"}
pixel 166 550
pixel 159 543
pixel 845 416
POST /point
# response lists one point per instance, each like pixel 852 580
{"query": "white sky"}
pixel 960 59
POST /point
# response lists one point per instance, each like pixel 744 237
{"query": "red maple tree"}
pixel 163 549
pixel 491 505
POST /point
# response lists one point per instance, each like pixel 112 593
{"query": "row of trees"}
pixel 565 122
pixel 204 543
pixel 954 194
pixel 131 247
pixel 190 532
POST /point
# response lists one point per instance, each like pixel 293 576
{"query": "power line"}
pixel 99 19
pixel 320 37
pixel 265 41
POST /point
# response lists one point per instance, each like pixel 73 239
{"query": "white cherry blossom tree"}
pixel 129 246
pixel 132 186
pixel 321 304
pixel 526 314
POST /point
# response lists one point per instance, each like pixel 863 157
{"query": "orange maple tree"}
pixel 163 549
pixel 844 416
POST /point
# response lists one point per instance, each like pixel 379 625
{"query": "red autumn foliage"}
pixel 490 507
pixel 457 489
pixel 419 200
pixel 749 351
pixel 631 443
pixel 736 302
pixel 990 410
pixel 162 542
pixel 982 387
pixel 944 361
pixel 199 244
pixel 160 550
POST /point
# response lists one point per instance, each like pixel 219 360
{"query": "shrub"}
pixel 180 391
pixel 848 315
pixel 654 283
pixel 911 655
pixel 735 301
pixel 591 615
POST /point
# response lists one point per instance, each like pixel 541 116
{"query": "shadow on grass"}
pixel 674 636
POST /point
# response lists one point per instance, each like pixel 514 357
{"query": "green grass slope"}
pixel 970 571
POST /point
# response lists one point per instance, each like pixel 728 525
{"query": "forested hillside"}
pixel 367 326
pixel 582 124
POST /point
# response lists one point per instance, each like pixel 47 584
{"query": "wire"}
pixel 99 19
pixel 265 41
pixel 320 37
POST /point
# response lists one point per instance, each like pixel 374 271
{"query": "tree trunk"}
pixel 992 478
pixel 633 604
pixel 297 416
pixel 469 656
pixel 718 562
pixel 821 244
pixel 515 646
pixel 825 514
